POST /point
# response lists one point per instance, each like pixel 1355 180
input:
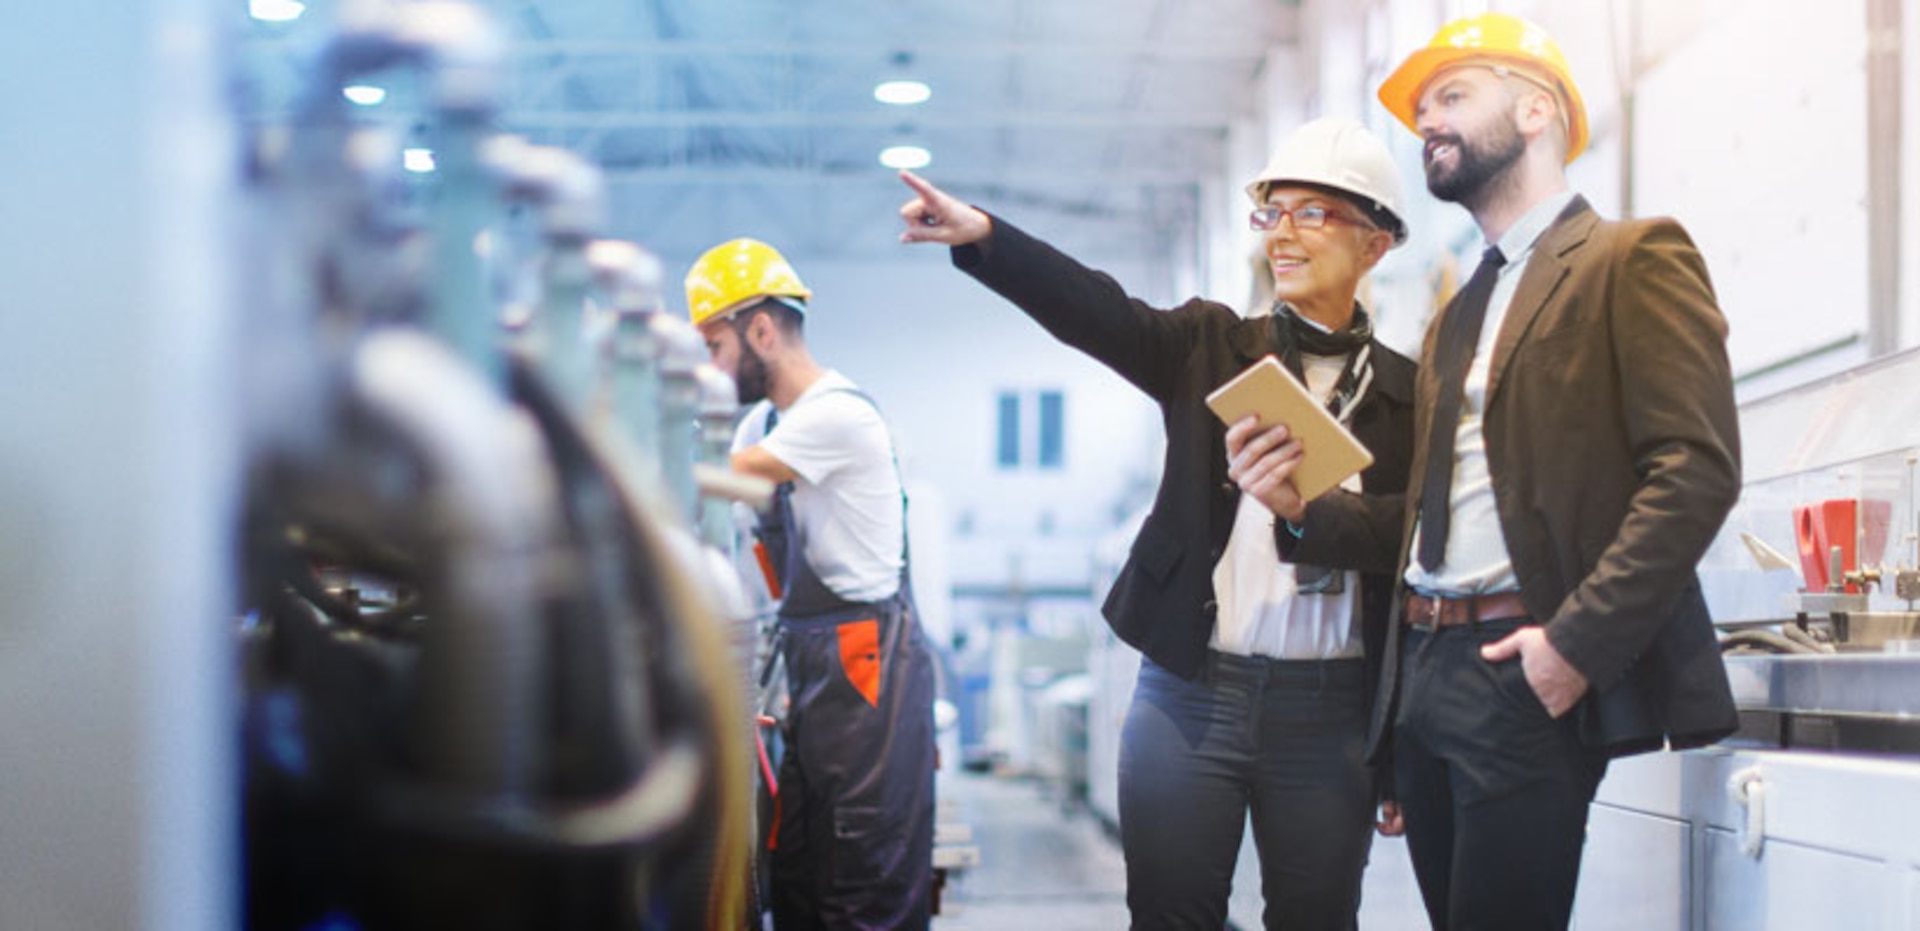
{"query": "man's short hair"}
pixel 1519 80
pixel 789 314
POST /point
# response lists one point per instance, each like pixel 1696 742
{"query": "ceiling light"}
pixel 905 156
pixel 417 160
pixel 275 11
pixel 365 95
pixel 902 93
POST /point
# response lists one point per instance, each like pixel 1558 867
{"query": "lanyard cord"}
pixel 1355 343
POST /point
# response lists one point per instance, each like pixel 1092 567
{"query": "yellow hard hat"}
pixel 733 273
pixel 1494 39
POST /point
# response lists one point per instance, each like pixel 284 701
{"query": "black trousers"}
pixel 1494 791
pixel 1282 742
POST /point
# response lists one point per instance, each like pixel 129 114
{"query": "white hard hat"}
pixel 1344 156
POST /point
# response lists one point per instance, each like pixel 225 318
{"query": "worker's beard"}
pixel 750 376
pixel 1476 164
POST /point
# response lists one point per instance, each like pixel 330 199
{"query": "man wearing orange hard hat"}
pixel 1575 431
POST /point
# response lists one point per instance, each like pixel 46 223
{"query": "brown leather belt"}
pixel 1424 611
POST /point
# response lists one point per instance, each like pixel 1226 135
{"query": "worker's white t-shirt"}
pixel 1261 612
pixel 847 499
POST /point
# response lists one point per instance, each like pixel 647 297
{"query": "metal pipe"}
pixel 567 193
pixel 680 352
pixel 630 278
pixel 563 308
pixel 459 53
pixel 1629 92
pixel 1884 163
pixel 459 309
pixel 718 408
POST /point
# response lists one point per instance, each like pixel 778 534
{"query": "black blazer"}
pixel 1162 602
pixel 1613 444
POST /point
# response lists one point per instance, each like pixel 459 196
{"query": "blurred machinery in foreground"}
pixel 493 649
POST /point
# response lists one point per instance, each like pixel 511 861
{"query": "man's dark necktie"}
pixel 1453 355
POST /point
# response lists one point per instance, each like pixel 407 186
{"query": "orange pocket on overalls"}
pixel 860 657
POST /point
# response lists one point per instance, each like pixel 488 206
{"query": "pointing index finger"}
pixel 919 185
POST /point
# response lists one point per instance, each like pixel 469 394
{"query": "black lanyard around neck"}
pixel 1295 336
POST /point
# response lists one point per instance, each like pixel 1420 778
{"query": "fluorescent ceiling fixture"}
pixel 417 160
pixel 902 93
pixel 276 11
pixel 365 95
pixel 905 156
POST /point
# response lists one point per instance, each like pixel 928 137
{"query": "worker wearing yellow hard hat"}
pixel 1579 453
pixel 747 275
pixel 856 780
pixel 733 273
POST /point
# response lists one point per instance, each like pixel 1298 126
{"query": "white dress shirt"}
pixel 1476 560
pixel 1261 612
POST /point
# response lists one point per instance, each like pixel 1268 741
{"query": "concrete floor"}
pixel 1042 864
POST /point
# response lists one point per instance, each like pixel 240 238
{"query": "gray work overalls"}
pixel 853 833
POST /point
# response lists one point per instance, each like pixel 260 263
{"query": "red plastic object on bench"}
pixel 1817 529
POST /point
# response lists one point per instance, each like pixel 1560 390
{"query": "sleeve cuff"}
pixel 974 254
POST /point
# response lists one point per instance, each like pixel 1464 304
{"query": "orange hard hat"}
pixel 1495 40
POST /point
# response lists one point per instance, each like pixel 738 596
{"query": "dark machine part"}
pixel 357 814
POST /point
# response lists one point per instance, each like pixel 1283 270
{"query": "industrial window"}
pixel 1009 454
pixel 1030 431
pixel 1052 411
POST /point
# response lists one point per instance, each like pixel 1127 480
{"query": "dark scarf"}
pixel 1294 336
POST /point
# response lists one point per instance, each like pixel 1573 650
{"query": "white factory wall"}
pixel 1749 126
pixel 936 349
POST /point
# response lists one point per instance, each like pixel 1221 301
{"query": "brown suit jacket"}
pixel 1613 446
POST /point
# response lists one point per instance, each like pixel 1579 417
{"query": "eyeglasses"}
pixel 1308 217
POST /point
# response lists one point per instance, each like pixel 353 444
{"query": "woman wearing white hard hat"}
pixel 1254 690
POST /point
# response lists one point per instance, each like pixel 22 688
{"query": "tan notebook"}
pixel 1268 391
